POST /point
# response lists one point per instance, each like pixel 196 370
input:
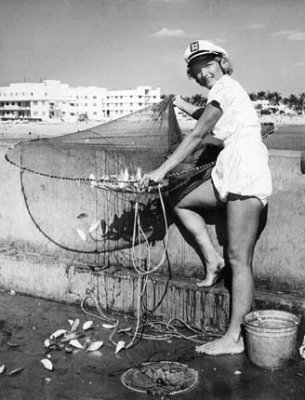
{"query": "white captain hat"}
pixel 200 48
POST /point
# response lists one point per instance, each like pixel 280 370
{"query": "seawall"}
pixel 30 263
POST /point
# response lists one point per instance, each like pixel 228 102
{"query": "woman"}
pixel 240 181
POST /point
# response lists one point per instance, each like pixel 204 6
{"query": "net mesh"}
pixel 60 180
pixel 80 189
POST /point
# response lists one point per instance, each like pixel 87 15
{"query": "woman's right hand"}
pixel 155 177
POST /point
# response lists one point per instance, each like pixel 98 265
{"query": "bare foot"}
pixel 213 274
pixel 224 345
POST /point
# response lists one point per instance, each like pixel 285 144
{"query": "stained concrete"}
pixel 27 321
pixel 116 289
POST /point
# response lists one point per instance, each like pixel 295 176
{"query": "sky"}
pixel 122 44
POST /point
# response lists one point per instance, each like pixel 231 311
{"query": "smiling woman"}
pixel 240 181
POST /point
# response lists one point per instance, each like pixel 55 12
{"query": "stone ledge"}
pixel 116 290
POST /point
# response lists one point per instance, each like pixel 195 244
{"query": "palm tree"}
pixel 302 101
pixel 198 100
pixel 274 98
pixel 253 96
pixel 293 102
pixel 261 95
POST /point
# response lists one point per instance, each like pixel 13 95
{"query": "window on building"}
pixel 35 103
pixel 94 105
pixel 32 94
pixel 140 104
pixel 94 97
pixel 86 104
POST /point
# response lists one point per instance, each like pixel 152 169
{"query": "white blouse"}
pixel 242 166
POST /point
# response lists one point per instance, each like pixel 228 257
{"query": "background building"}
pixel 52 100
pixel 122 102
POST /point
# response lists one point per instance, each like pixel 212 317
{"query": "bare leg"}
pixel 202 197
pixel 243 219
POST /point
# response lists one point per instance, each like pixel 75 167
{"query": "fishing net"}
pixel 81 189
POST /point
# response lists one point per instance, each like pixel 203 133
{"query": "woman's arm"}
pixel 188 145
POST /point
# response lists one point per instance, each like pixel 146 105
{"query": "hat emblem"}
pixel 194 46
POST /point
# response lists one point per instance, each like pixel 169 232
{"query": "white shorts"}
pixel 242 168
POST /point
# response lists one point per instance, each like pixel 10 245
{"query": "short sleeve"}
pixel 215 104
pixel 219 94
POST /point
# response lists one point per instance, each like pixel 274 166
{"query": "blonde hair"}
pixel 226 65
pixel 224 62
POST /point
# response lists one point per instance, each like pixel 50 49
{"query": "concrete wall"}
pixel 279 257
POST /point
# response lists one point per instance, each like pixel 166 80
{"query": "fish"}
pixel 95 345
pixel 138 174
pixel 81 234
pixel 47 364
pixel 47 343
pixel 108 326
pixel 87 325
pixel 75 325
pixel 126 175
pixel 82 215
pixel 58 333
pixel 75 343
pixel 94 226
pixel 92 181
pixel 120 345
pixel 15 371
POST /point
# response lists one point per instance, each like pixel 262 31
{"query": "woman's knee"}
pixel 239 258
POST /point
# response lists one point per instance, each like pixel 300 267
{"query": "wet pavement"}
pixel 26 322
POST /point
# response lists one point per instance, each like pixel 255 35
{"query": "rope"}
pixel 143 273
pixel 103 180
pixel 114 183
